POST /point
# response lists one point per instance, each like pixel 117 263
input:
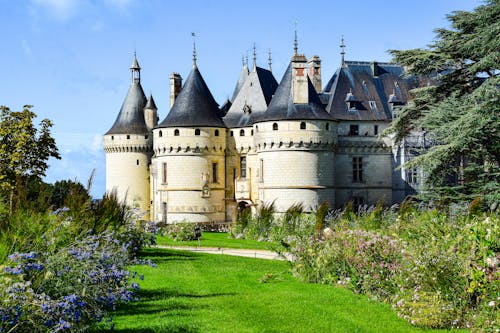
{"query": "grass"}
pixel 195 292
pixel 217 239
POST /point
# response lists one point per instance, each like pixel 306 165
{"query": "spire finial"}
pixel 135 69
pixel 270 61
pixel 242 60
pixel 254 56
pixel 246 58
pixel 194 48
pixel 295 42
pixel 342 53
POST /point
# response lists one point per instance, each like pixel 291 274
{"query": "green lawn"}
pixel 195 292
pixel 217 239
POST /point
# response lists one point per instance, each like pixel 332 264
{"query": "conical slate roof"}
pixel 241 81
pixel 195 105
pixel 151 103
pixel 130 120
pixel 252 99
pixel 283 108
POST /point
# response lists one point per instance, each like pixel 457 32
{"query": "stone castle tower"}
pixel 128 145
pixel 285 143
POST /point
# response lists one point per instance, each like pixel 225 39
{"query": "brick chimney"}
pixel 314 65
pixel 299 79
pixel 175 87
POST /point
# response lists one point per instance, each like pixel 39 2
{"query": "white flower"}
pixel 491 303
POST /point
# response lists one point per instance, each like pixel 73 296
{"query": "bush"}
pixel 184 231
pixel 67 289
pixel 362 261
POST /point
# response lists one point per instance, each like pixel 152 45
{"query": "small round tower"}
pixel 189 157
pixel 128 147
pixel 295 140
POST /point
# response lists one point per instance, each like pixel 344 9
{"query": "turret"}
pixel 128 147
pixel 188 167
pixel 295 140
pixel 151 113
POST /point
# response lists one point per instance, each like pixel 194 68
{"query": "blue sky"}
pixel 71 58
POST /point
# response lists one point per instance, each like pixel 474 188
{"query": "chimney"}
pixel 299 79
pixel 175 87
pixel 375 68
pixel 314 65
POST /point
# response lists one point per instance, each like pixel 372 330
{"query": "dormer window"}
pixel 350 100
pixel 247 109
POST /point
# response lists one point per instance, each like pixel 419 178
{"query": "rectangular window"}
pixel 353 130
pixel 357 169
pixel 261 170
pixel 375 129
pixel 164 212
pixel 243 167
pixel 214 173
pixel 412 176
pixel 164 173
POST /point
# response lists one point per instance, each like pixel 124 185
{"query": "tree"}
pixel 462 110
pixel 24 150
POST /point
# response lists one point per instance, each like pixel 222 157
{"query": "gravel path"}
pixel 260 254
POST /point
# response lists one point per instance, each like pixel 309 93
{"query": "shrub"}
pixel 362 261
pixel 66 289
pixel 184 231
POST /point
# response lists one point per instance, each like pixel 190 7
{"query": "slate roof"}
pixel 283 108
pixel 370 92
pixel 130 120
pixel 252 99
pixel 241 80
pixel 195 106
pixel 151 103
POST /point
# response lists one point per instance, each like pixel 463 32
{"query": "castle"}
pixel 287 143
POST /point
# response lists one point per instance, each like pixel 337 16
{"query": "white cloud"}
pixel 60 9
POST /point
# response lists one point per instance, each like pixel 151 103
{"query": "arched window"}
pixel 275 127
pixel 216 133
pixel 302 125
pixel 327 126
pixel 197 131
pixel 128 137
pixel 256 128
pixel 242 132
pixel 160 134
pixel 176 132
pixel 231 133
pixel 251 132
pixel 112 137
